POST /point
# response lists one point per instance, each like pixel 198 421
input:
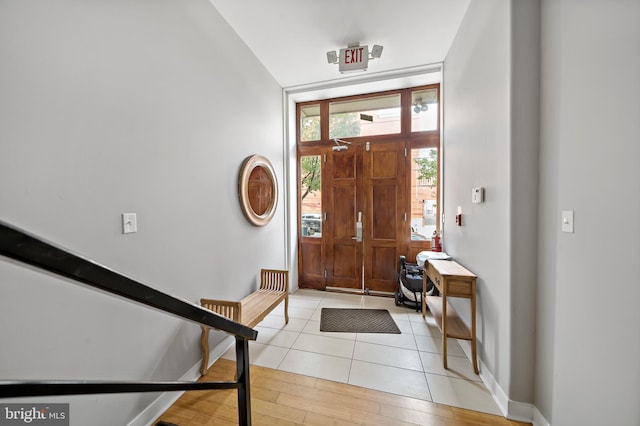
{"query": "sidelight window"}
pixel 311 196
pixel 424 193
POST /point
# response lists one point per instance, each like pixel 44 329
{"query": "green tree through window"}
pixel 310 174
pixel 428 167
pixel 345 125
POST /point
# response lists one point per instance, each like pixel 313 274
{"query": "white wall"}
pixel 112 107
pixel 524 146
pixel 477 153
pixel 561 332
pixel 588 321
pixel 491 138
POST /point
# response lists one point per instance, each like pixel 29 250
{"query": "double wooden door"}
pixel 362 187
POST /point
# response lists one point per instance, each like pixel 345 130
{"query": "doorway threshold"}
pixel 365 292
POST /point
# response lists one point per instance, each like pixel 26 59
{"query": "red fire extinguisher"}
pixel 435 242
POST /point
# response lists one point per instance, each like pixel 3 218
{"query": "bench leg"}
pixel 286 309
pixel 204 345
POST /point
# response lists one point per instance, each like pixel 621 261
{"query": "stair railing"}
pixel 19 245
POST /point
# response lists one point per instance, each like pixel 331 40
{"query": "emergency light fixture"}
pixel 354 57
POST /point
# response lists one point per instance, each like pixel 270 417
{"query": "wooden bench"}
pixel 274 288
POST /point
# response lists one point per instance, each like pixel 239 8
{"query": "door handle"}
pixel 358 236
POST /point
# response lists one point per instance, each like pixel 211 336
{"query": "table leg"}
pixel 424 294
pixel 444 330
pixel 474 351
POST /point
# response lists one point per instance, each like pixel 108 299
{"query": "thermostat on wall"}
pixel 477 195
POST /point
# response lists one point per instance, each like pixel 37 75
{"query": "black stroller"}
pixel 410 278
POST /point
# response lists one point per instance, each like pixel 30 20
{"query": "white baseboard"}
pixel 512 410
pixel 519 411
pixel 538 418
pixel 161 404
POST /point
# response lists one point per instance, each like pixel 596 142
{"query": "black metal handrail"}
pixel 19 245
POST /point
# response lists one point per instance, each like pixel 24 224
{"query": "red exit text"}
pixel 354 55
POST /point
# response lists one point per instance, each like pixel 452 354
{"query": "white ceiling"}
pixel 291 37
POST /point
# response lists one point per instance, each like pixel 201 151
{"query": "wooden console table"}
pixel 452 280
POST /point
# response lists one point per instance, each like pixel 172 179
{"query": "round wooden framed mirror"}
pixel 258 190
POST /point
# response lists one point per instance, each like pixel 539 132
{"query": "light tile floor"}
pixel 408 364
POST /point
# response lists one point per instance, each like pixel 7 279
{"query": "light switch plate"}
pixel 129 223
pixel 567 221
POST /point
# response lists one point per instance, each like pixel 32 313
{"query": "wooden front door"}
pixel 343 185
pixel 385 214
pixel 365 184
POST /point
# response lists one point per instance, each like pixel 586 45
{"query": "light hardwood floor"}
pixel 282 398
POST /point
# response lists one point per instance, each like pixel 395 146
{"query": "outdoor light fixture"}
pixel 420 106
pixel 354 57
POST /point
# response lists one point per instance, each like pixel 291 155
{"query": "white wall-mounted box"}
pixel 477 195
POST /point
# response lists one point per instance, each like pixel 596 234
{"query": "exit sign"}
pixel 354 58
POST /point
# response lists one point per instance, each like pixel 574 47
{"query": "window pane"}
pixel 424 192
pixel 378 115
pixel 310 196
pixel 424 110
pixel 310 123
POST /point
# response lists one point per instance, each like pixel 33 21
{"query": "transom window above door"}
pixel 379 115
pixel 309 123
pixel 405 112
